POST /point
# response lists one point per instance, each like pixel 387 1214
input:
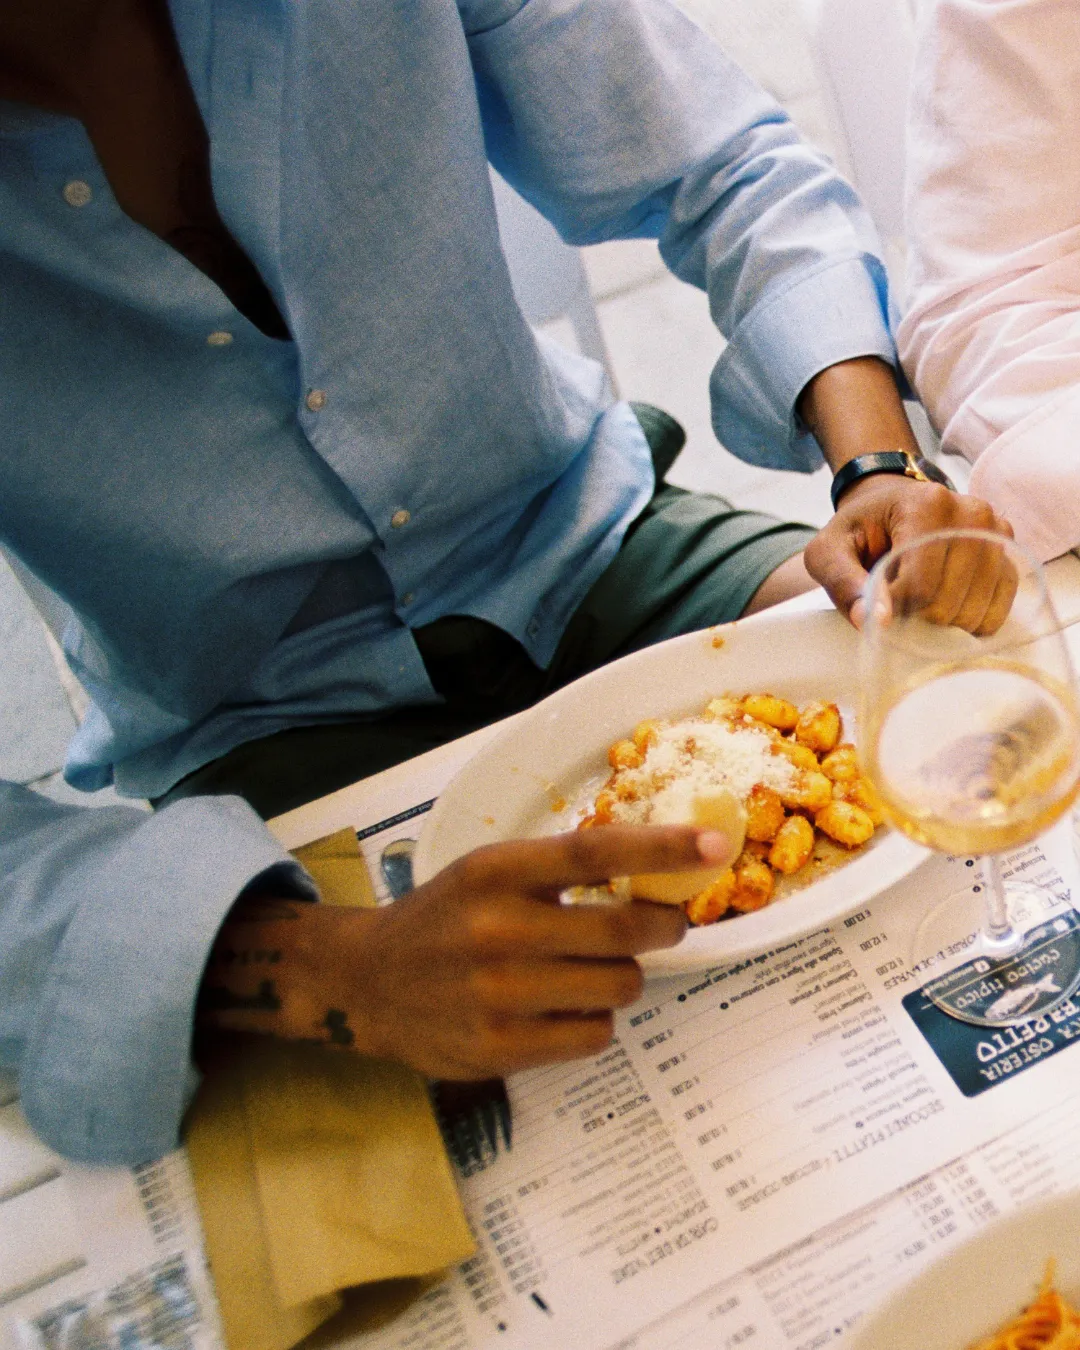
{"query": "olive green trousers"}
pixel 689 561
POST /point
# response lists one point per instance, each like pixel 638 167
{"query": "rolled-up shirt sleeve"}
pixel 106 920
pixel 991 335
pixel 621 118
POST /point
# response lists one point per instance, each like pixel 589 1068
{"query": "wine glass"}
pixel 972 741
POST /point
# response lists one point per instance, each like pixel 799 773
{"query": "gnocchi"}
pixel 798 780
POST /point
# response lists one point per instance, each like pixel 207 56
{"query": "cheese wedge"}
pixel 719 810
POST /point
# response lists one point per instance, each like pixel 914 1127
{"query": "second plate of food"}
pixel 975 1296
pixel 544 772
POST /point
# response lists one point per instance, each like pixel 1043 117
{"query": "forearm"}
pixel 854 408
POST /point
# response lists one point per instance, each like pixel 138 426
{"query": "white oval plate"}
pixel 557 749
pixel 978 1287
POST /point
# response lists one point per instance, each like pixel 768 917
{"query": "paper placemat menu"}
pixel 109 1258
pixel 764 1151
pixel 782 1127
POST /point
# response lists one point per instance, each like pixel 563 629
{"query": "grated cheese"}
pixel 692 758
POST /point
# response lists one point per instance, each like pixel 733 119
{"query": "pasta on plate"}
pixel 1048 1323
pixel 798 781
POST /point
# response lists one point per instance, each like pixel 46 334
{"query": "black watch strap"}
pixel 887 461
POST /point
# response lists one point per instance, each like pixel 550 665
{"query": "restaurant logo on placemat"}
pixel 980 1057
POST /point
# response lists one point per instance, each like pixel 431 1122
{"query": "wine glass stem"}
pixel 998 930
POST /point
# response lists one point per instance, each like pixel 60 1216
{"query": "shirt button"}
pixel 316 400
pixel 399 518
pixel 408 598
pixel 77 193
pixel 532 628
pixel 219 339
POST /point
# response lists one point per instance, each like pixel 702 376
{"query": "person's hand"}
pixel 479 972
pixel 971 587
pixel 853 408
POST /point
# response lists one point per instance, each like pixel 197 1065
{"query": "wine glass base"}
pixel 989 984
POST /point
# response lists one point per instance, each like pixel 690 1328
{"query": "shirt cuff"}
pixel 106 1075
pixel 835 313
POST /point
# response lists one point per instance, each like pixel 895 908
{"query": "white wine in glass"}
pixel 970 731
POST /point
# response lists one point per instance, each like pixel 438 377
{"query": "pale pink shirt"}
pixel 991 338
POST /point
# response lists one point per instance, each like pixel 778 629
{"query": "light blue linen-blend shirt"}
pixel 188 484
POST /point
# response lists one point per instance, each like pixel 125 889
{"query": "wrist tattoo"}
pixel 240 956
pixel 257 908
pixel 216 998
pixel 336 1023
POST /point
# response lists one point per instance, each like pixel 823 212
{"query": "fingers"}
pixel 516 988
pixel 834 559
pixel 992 583
pixel 1001 602
pixel 955 583
pixel 500 1045
pixel 515 925
pixel 918 582
pixel 967 583
pixel 580 857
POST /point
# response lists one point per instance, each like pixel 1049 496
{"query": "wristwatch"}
pixel 887 461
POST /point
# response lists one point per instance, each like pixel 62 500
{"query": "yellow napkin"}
pixel 317 1170
pixel 223 1167
pixel 339 869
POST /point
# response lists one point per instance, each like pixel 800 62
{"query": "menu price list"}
pixel 607 1187
pixel 813 1293
pixel 762 1153
pixel 737 1111
pixel 786 1069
